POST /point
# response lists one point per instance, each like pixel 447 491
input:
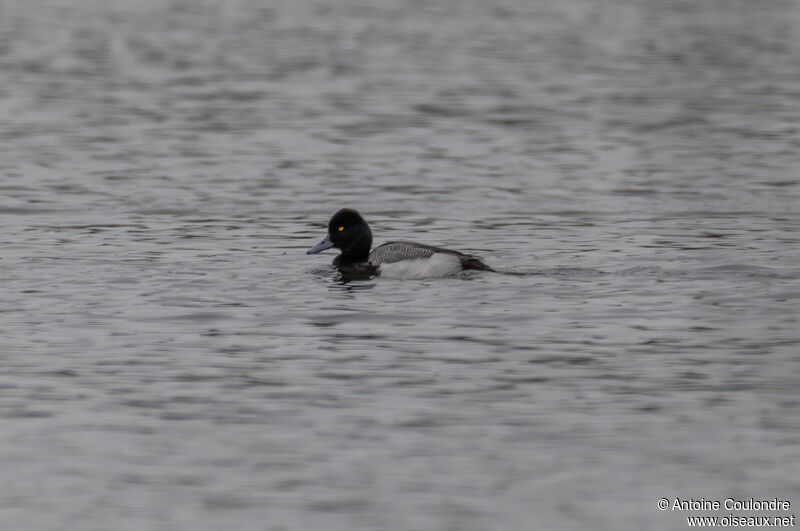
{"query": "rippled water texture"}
pixel 173 360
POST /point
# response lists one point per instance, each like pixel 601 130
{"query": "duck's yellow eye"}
pixel 341 229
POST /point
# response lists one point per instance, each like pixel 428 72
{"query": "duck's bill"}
pixel 321 246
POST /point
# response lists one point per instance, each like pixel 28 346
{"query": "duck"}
pixel 350 233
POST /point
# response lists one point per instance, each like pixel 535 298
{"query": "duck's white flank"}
pixel 437 265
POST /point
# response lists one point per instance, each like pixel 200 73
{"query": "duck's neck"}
pixel 358 249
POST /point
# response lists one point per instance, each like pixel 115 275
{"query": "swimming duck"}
pixel 348 231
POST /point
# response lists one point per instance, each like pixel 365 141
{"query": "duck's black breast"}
pixel 352 267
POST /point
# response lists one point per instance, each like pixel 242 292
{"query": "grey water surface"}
pixel 171 359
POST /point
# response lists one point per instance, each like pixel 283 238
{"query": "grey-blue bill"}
pixel 321 246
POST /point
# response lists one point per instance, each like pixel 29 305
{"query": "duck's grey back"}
pixel 391 252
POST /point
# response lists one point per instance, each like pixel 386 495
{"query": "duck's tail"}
pixel 473 262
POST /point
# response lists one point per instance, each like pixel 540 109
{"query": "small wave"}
pixel 560 272
pixel 743 271
pixel 723 271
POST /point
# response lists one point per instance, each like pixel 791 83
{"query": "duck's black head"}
pixel 347 231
